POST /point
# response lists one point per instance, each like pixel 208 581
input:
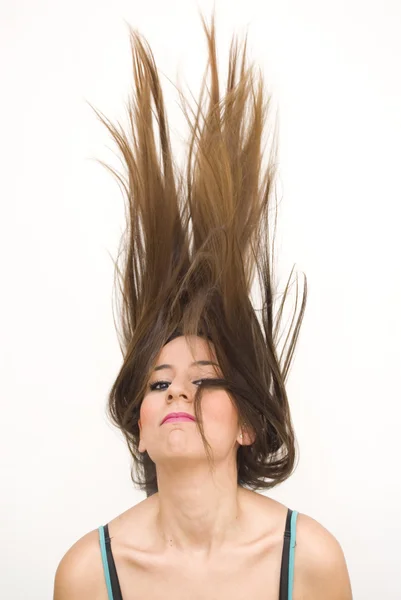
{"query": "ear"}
pixel 246 437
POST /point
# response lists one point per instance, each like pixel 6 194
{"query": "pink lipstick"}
pixel 177 416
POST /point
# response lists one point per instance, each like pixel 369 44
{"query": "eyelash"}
pixel 153 385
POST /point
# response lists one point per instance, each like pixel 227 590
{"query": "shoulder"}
pixel 79 574
pixel 320 565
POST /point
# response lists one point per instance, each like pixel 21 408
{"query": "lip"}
pixel 178 416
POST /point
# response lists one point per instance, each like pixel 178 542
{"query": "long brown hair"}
pixel 192 243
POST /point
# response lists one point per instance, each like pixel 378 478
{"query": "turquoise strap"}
pixel 105 563
pixel 292 552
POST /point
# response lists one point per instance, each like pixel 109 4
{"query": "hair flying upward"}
pixel 192 245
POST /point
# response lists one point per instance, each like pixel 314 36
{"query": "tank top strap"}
pixel 109 567
pixel 287 561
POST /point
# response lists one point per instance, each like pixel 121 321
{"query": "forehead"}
pixel 193 348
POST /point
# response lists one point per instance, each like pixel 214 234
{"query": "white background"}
pixel 334 70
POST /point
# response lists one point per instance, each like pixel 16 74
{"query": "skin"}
pixel 201 536
pixel 199 512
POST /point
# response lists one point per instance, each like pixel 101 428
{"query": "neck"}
pixel 198 513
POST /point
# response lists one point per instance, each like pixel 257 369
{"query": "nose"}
pixel 177 390
pixel 173 396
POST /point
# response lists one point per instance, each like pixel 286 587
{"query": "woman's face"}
pixel 172 389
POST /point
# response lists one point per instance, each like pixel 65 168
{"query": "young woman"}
pixel 201 397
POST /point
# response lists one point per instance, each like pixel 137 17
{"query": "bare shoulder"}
pixel 320 566
pixel 79 574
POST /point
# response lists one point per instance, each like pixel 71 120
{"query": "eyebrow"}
pixel 197 362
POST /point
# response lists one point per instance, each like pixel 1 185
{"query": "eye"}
pixel 153 386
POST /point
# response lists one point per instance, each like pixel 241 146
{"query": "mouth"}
pixel 175 417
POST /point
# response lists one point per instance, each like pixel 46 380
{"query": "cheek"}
pixel 147 413
pixel 219 410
